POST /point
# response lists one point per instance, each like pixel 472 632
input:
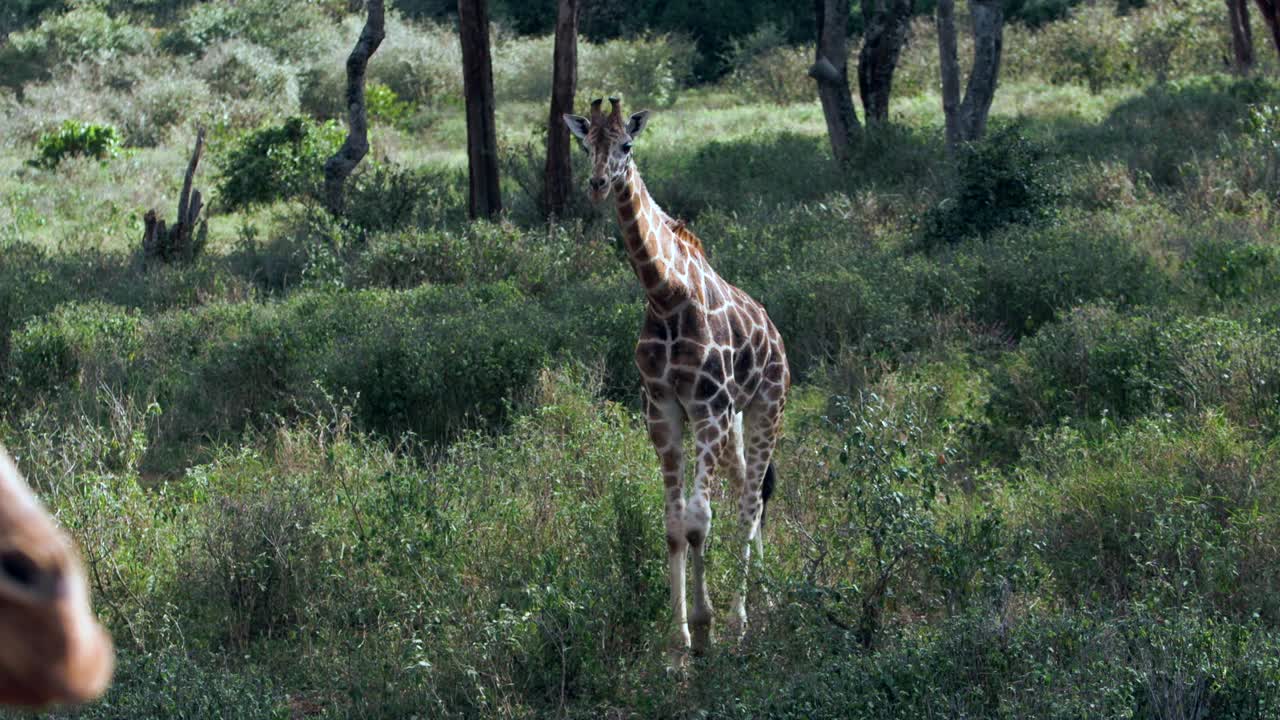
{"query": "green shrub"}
pixel 85 33
pixel 293 32
pixel 76 139
pixel 649 71
pixel 765 69
pixel 385 196
pixel 1004 180
pixel 173 683
pixel 1161 514
pixel 384 105
pixel 251 84
pixel 1023 277
pixel 78 344
pixel 1231 268
pixel 1096 363
pixel 422 65
pixel 277 162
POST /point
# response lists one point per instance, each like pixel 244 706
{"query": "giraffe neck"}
pixel 667 268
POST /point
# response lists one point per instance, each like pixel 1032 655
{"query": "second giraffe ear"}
pixel 578 125
pixel 637 122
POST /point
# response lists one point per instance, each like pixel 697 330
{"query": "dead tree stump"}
pixel 183 241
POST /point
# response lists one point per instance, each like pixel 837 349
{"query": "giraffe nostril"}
pixel 597 183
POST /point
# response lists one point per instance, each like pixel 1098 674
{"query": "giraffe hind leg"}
pixel 762 421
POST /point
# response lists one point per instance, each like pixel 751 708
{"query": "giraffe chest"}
pixel 696 354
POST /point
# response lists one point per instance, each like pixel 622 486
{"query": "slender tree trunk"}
pixel 886 23
pixel 564 83
pixel 182 242
pixel 1270 10
pixel 831 71
pixel 339 167
pixel 1241 35
pixel 949 65
pixel 988 41
pixel 477 85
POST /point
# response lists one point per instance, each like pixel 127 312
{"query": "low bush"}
pixel 647 71
pixel 251 85
pixel 1159 513
pixel 276 162
pixel 432 360
pixel 293 33
pixel 1004 180
pixel 1024 277
pixel 1096 363
pixel 85 33
pixel 766 69
pixel 76 139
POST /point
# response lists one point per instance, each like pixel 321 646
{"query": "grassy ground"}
pixel 393 466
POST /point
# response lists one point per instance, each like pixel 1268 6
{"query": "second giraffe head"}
pixel 608 141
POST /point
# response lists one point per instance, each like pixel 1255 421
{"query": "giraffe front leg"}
pixel 666 428
pixel 712 437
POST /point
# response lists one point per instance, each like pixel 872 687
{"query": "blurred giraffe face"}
pixel 607 141
pixel 52 650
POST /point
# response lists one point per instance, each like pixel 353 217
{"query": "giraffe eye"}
pixel 626 147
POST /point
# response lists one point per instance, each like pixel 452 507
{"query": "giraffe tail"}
pixel 766 490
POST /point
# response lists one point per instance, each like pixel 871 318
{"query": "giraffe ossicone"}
pixel 52 650
pixel 712 364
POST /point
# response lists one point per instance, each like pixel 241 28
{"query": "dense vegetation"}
pixel 392 465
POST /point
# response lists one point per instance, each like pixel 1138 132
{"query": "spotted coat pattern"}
pixel 711 363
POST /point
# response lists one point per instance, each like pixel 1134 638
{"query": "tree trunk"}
pixel 886 24
pixel 1270 10
pixel 181 242
pixel 988 40
pixel 1241 35
pixel 949 65
pixel 831 71
pixel 564 83
pixel 339 167
pixel 477 86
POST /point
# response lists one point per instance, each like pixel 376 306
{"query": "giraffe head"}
pixel 52 650
pixel 608 141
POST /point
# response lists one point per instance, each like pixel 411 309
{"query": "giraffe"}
pixel 52 650
pixel 709 358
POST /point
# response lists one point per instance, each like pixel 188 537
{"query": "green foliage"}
pixel 1024 277
pixel 1006 179
pixel 253 85
pixel 766 69
pixel 49 350
pixel 173 684
pixel 277 162
pixel 85 33
pixel 293 32
pixel 1098 364
pixel 1232 268
pixel 1171 515
pixel 646 71
pixel 384 105
pixel 881 486
pixel 76 139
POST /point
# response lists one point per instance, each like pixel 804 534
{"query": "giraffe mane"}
pixel 682 231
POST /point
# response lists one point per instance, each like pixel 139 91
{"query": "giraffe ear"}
pixel 636 123
pixel 578 125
